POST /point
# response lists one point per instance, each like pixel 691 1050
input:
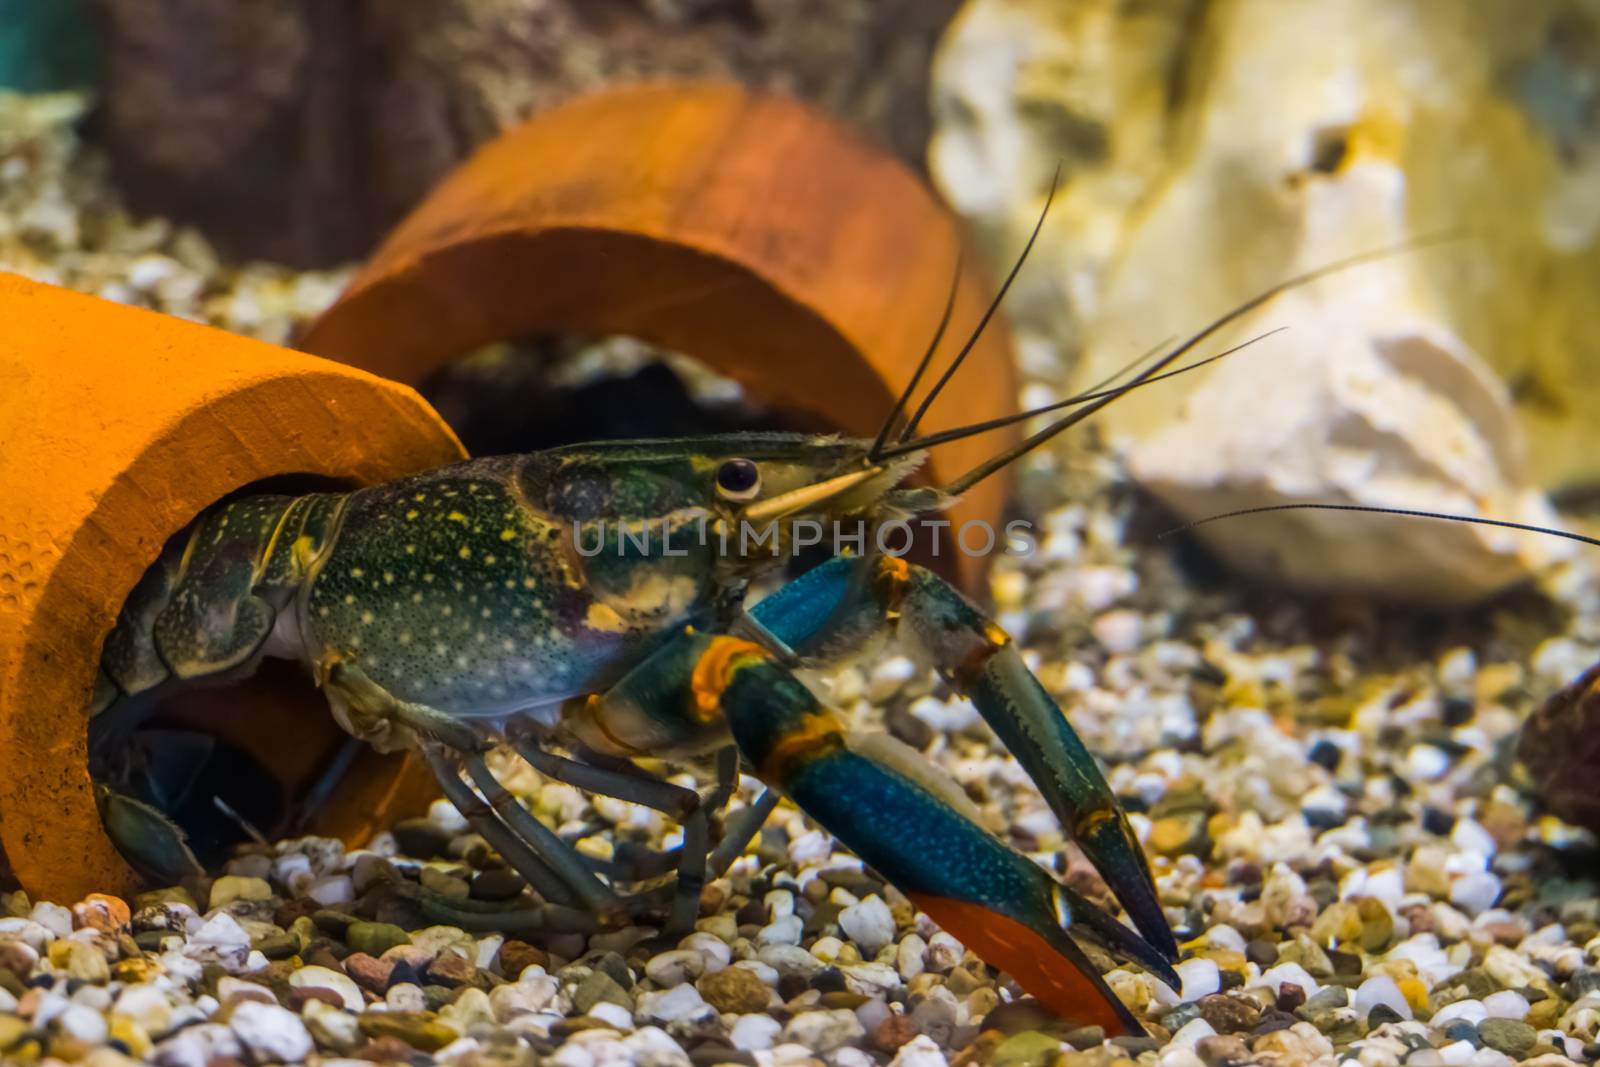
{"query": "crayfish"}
pixel 586 605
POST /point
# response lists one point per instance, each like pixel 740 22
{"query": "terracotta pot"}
pixel 745 230
pixel 116 427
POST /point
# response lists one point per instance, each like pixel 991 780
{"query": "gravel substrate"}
pixel 1327 789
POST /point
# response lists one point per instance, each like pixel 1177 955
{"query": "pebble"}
pixel 1380 990
pixel 868 923
pixel 272 1034
pixel 735 989
pixel 340 985
pixel 824 1031
pixel 1512 1036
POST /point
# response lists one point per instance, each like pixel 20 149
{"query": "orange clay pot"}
pixel 742 229
pixel 116 427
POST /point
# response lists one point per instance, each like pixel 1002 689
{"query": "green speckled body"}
pixel 463 589
pixel 490 587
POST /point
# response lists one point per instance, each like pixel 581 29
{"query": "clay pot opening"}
pixel 244 755
pixel 541 392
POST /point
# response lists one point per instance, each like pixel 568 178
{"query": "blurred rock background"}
pixel 300 130
pixel 1210 149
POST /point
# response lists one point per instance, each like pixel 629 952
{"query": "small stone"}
pixel 99 911
pixel 449 969
pixel 754 1033
pixel 369 973
pixel 734 989
pixel 271 1033
pixel 868 923
pixel 1476 892
pixel 1030 1048
pixel 518 956
pixel 1381 990
pixel 1201 978
pixel 331 1028
pixel 375 938
pixel 598 988
pixel 499 883
pixel 823 1031
pixel 672 1005
pixel 232 887
pixel 675 967
pixel 340 985
pixel 418 1030
pixel 1512 1036
pixel 1229 1015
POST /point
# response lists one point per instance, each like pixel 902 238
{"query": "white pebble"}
pixel 1477 892
pixel 1192 1032
pixel 1200 977
pixel 679 1002
pixel 869 924
pixel 619 1017
pixel 675 967
pixel 1118 631
pixel 326 978
pixel 944 952
pixel 85 1024
pixel 1426 762
pixel 784 931
pixel 1506 1004
pixel 52 917
pixel 332 890
pixel 1292 973
pixel 909 956
pixel 1472 1011
pixel 444 815
pixel 920 1051
pixel 754 1033
pixel 824 1031
pixel 1380 989
pixel 273 1034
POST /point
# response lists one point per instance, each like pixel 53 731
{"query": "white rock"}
pixel 405 996
pixel 754 1033
pixel 712 949
pixel 667 1006
pixel 273 1034
pixel 1506 1004
pixel 1201 978
pixel 654 1047
pixel 824 1031
pixel 85 1024
pixel 920 1051
pixel 332 890
pixel 27 931
pixel 944 952
pixel 329 979
pixel 529 994
pixel 616 1015
pixel 196 1046
pixel 784 931
pixel 53 917
pixel 910 956
pixel 1472 1011
pixel 675 967
pixel 1193 1031
pixel 1473 893
pixel 1288 972
pixel 1380 989
pixel 869 924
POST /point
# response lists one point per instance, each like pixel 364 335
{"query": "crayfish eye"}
pixel 738 479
